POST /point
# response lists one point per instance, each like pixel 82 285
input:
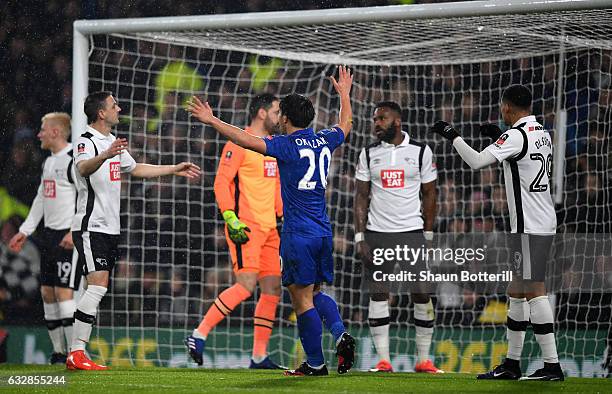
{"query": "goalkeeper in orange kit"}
pixel 247 189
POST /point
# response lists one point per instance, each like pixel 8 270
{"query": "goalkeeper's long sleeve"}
pixel 476 160
pixel 278 200
pixel 224 186
pixel 247 183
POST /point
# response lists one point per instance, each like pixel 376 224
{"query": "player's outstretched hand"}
pixel 188 170
pixel 116 148
pixel 66 242
pixel 16 243
pixel 444 129
pixel 200 110
pixel 344 82
pixel 490 130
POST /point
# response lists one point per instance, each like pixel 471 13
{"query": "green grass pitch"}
pixel 171 381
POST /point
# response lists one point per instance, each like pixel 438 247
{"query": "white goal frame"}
pixel 84 29
pixel 211 32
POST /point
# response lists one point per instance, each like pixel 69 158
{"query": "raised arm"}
pixel 476 160
pixel 202 112
pixel 343 87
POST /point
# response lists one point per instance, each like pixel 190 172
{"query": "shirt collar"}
pixel 306 131
pixel 403 143
pixel 96 133
pixel 525 119
pixel 63 151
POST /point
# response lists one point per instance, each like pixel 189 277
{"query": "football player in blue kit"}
pixel 303 157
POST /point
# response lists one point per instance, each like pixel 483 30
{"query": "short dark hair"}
pixel 298 109
pixel 93 103
pixel 392 105
pixel 518 96
pixel 260 101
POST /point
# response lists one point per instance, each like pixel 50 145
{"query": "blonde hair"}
pixel 60 119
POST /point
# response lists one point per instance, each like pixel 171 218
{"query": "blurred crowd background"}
pixel 176 237
pixel 36 53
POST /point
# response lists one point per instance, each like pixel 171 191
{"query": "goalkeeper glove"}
pixel 490 130
pixel 236 229
pixel 445 130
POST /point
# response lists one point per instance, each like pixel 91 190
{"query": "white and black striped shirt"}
pixel 395 174
pixel 526 153
pixel 99 194
pixel 56 194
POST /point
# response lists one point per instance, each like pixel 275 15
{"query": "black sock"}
pixel 512 363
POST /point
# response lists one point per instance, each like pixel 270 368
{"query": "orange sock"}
pixel 265 314
pixel 223 306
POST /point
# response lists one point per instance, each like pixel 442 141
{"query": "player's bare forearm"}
pixel 362 202
pixel 429 205
pixel 143 170
pixel 343 88
pixel 346 114
pixel 204 113
pixel 239 136
pixel 89 166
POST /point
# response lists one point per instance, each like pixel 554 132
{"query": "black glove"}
pixel 490 130
pixel 445 130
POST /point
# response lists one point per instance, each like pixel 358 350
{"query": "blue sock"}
pixel 310 330
pixel 328 310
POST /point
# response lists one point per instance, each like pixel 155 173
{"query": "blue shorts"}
pixel 306 261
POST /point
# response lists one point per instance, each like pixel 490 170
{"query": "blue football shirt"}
pixel 303 162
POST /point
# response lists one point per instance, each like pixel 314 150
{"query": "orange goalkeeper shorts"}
pixel 260 254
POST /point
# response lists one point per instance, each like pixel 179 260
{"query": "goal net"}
pixel 447 62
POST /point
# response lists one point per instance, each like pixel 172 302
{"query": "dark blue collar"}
pixel 304 132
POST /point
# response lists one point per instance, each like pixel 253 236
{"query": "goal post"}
pixel 448 61
pixel 85 28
